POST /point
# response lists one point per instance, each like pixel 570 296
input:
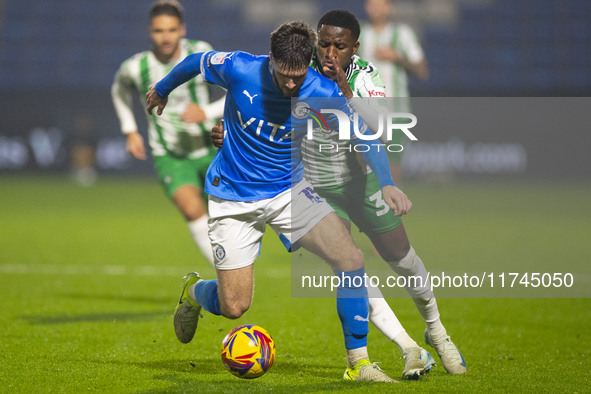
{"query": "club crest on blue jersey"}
pixel 219 57
pixel 300 110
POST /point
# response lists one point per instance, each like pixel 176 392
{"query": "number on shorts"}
pixel 311 194
pixel 380 203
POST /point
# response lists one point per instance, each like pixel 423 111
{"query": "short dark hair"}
pixel 292 45
pixel 341 18
pixel 167 7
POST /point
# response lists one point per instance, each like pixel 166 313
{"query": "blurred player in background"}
pixel 254 181
pixel 395 50
pixel 179 140
pixel 83 149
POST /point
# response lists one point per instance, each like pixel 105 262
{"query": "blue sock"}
pixel 206 293
pixel 353 308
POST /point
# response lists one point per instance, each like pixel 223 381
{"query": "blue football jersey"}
pixel 261 154
pixel 260 157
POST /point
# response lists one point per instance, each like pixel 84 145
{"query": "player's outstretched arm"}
pixel 121 94
pixel 377 160
pixel 135 145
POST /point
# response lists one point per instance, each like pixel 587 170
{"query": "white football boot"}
pixel 450 356
pixel 365 370
pixel 417 362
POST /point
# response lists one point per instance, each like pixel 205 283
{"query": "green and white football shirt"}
pixel 332 167
pixel 399 37
pixel 167 134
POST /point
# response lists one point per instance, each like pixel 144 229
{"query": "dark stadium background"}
pixel 58 58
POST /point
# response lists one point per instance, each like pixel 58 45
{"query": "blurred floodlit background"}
pixel 58 59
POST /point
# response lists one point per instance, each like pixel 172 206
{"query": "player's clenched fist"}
pixel 396 200
pixel 154 100
pixel 217 134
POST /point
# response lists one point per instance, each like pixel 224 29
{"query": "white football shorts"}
pixel 236 228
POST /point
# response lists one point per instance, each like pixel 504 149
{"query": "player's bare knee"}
pixel 191 213
pixel 234 311
pixel 356 259
pixel 350 261
pixel 191 209
pixel 359 259
pixel 189 202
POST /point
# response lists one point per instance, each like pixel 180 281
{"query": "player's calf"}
pixel 235 290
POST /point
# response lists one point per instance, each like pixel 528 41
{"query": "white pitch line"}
pixel 113 270
pixel 108 270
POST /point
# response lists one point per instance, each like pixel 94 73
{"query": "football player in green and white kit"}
pixel 338 32
pixel 396 51
pixel 179 139
pixel 392 47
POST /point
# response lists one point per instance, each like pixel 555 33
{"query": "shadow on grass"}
pixel 123 298
pixel 108 317
pixel 209 375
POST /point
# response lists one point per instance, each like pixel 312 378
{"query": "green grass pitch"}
pixel 89 278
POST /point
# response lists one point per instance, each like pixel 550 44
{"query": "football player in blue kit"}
pixel 254 181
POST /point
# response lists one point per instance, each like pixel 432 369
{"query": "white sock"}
pixel 356 355
pixel 430 314
pixel 200 231
pixel 412 265
pixel 405 342
pixel 192 292
pixel 385 320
